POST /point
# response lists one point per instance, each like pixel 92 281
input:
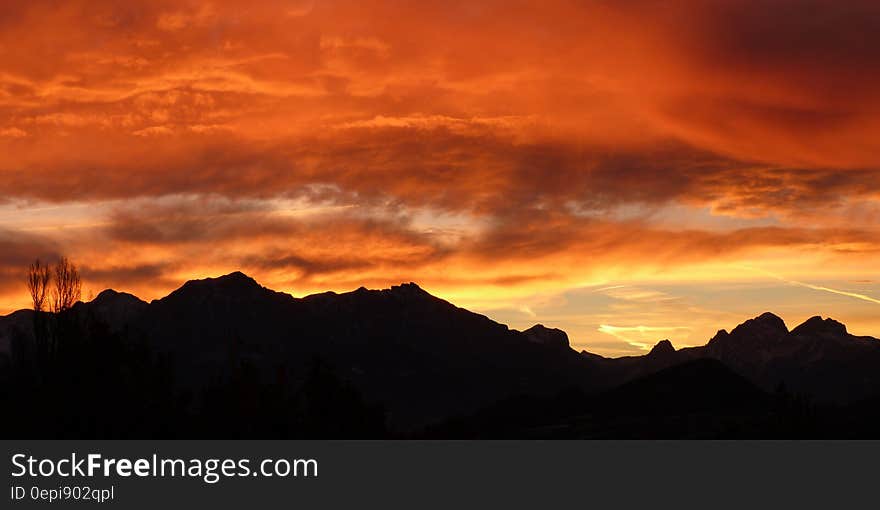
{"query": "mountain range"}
pixel 428 362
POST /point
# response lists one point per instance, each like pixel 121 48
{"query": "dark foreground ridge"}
pixel 226 357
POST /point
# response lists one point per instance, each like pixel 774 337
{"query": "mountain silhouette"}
pixel 420 356
pixel 700 398
pixel 672 390
pixel 663 349
pixel 425 361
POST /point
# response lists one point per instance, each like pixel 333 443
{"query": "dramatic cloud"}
pixel 490 150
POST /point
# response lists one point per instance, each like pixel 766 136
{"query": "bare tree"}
pixel 38 277
pixel 68 286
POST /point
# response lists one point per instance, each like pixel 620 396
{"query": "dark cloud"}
pixel 126 277
pixel 17 251
pixel 480 172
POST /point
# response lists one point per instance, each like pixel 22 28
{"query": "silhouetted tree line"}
pixel 75 378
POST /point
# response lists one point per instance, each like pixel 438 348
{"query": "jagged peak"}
pixel 766 323
pixel 663 347
pixel 720 335
pixel 817 324
pixel 408 287
pixel 233 284
pixel 407 290
pixel 543 335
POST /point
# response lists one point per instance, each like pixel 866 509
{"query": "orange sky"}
pixel 689 164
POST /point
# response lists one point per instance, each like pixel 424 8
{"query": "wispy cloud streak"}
pixel 805 285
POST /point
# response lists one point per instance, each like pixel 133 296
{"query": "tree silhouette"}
pixel 38 277
pixel 64 284
pixel 68 286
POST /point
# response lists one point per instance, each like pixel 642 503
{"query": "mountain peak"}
pixel 769 318
pixel 236 285
pixel 407 286
pixel 109 296
pixel 541 334
pixel 766 326
pixel 662 348
pixel 409 289
pixel 235 278
pixel 105 295
pixel 115 309
pixel 818 325
pixel 749 338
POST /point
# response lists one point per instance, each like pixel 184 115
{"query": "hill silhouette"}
pixel 227 357
pixel 700 398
